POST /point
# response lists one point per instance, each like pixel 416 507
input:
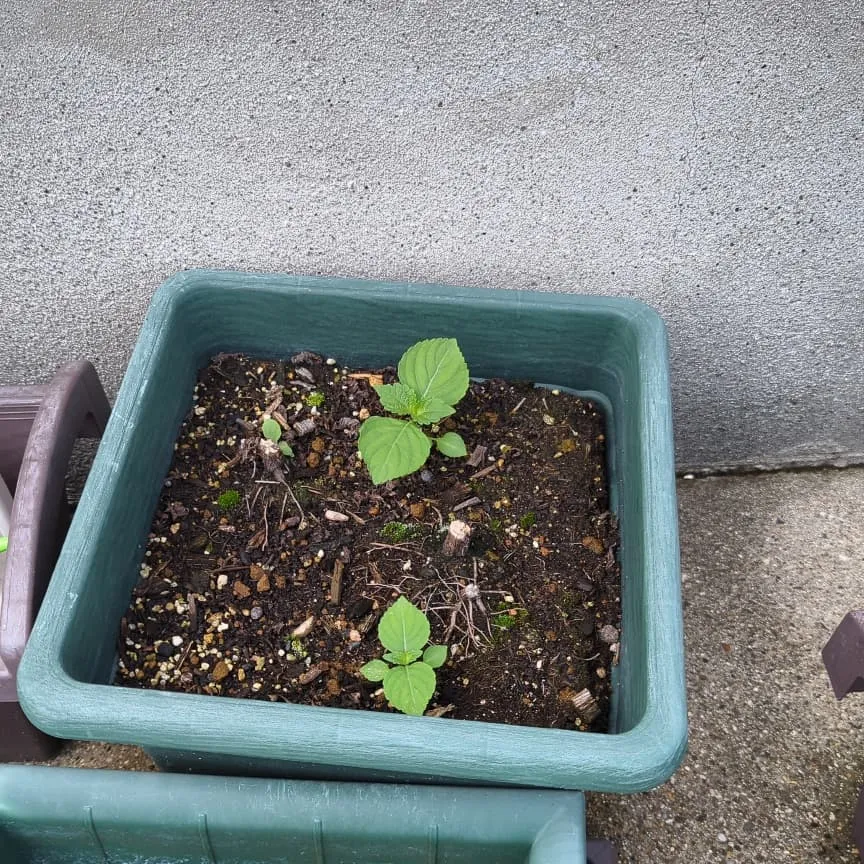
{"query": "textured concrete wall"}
pixel 705 157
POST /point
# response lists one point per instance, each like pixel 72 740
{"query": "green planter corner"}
pixel 613 348
pixel 63 815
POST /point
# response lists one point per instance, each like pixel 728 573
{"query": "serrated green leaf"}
pixel 392 448
pixel 374 670
pixel 451 444
pixel 398 398
pixel 403 627
pixel 409 688
pixel 431 411
pixel 402 658
pixel 286 449
pixel 435 655
pixel 435 369
pixel 271 430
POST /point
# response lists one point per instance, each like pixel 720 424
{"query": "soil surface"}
pixel 274 590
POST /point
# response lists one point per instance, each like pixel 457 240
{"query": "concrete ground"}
pixel 771 563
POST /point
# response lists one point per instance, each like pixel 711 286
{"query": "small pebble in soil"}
pixel 303 629
pixel 256 613
pixel 609 634
pixel 176 641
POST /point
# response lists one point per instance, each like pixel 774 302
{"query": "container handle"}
pixel 73 405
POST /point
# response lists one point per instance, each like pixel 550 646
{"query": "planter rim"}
pixel 64 814
pixel 649 752
pixel 654 747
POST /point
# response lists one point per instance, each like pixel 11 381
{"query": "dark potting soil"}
pixel 275 590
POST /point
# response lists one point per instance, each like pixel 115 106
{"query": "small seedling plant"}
pixel 433 377
pixel 407 669
pixel 228 500
pixel 272 431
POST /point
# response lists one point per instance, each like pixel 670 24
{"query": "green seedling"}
pixel 315 399
pixel 399 532
pixel 527 521
pixel 506 621
pixel 433 377
pixel 508 616
pixel 228 500
pixel 296 646
pixel 410 681
pixel 272 431
pixel 4 544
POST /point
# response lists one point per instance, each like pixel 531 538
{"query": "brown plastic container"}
pixel 843 657
pixel 38 427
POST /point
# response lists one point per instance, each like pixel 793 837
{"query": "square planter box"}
pixel 38 426
pixel 614 349
pixel 56 816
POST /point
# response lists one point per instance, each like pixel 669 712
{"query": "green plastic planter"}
pixel 613 348
pixel 60 816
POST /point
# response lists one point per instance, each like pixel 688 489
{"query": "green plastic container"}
pixel 74 816
pixel 612 347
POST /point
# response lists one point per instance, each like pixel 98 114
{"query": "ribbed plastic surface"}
pixel 616 347
pixel 73 816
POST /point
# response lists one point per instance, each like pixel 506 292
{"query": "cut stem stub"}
pixel 457 539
